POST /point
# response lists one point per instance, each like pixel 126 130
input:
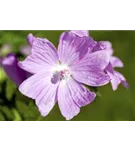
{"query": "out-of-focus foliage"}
pixel 119 105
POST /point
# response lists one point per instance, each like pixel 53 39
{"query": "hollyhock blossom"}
pixel 116 77
pixel 15 73
pixel 60 76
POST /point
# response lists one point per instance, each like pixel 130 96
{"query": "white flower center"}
pixel 60 72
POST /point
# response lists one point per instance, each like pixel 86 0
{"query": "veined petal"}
pixel 44 56
pixel 46 49
pixel 103 45
pixel 121 79
pixel 97 60
pixel 72 47
pixel 72 96
pixel 81 33
pixel 93 78
pixel 80 94
pixel 31 38
pixel 40 88
pixel 108 46
pixel 116 62
pixel 90 70
pixel 66 102
pixel 116 79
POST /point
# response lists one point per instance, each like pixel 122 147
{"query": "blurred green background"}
pixel 118 105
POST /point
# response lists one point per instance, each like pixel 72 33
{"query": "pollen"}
pixel 60 72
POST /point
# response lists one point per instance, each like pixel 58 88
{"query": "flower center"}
pixel 61 72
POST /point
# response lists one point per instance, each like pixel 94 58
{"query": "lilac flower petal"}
pixel 80 94
pixel 45 48
pixel 11 68
pixel 99 46
pixel 85 33
pixel 81 33
pixel 93 78
pixel 31 39
pixel 108 46
pixel 44 56
pixel 66 102
pixel 122 78
pixel 40 88
pixel 116 62
pixel 89 70
pixel 73 47
pixel 125 84
pixel 33 64
pixel 103 45
pixel 116 79
pixel 109 69
pixel 96 60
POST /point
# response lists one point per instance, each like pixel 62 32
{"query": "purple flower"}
pixel 10 66
pixel 116 77
pixel 61 76
pixel 96 46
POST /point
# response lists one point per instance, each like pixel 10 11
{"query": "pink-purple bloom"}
pixel 14 72
pixel 116 77
pixel 61 75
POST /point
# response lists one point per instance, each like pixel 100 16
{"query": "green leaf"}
pixel 17 116
pixel 10 89
pixel 1 117
pixel 8 114
pixel 2 75
pixel 33 111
